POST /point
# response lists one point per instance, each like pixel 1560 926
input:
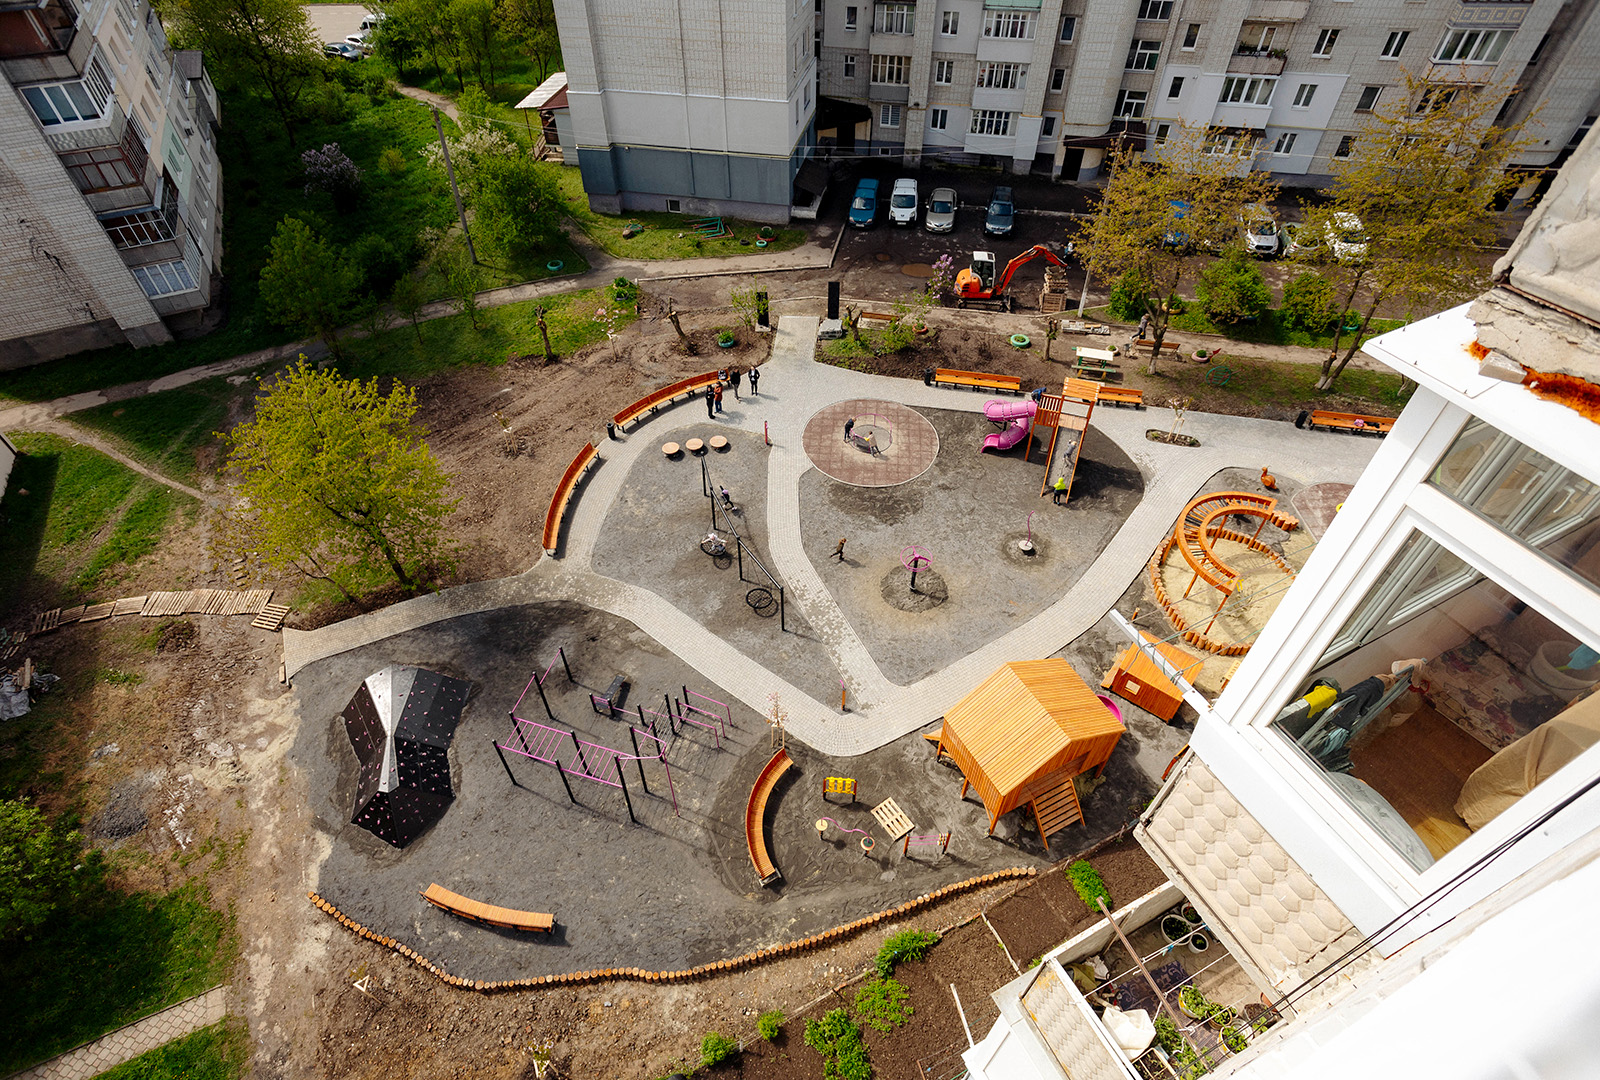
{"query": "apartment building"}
pixel 693 106
pixel 109 180
pixel 1048 85
pixel 1388 818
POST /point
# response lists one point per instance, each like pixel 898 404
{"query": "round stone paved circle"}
pixel 915 444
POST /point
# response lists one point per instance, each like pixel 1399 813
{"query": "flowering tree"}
pixel 942 286
pixel 330 170
pixel 609 320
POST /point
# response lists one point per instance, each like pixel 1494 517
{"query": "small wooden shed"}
pixel 1023 734
pixel 1136 677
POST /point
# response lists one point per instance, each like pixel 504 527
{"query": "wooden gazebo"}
pixel 1023 734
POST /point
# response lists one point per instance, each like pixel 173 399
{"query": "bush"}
pixel 769 1023
pixel 715 1049
pixel 1090 886
pixel 906 945
pixel 1308 304
pixel 380 263
pixel 882 1004
pixel 327 103
pixel 1232 290
pixel 330 170
pixel 838 1039
pixel 1129 296
pixel 517 204
pixel 42 870
pixel 392 162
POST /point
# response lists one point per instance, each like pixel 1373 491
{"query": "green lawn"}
pixel 1268 384
pixel 96 970
pixel 218 1052
pixel 165 430
pixel 1265 331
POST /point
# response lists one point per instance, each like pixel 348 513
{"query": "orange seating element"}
pixel 1358 423
pixel 477 911
pixel 563 495
pixel 664 396
pixel 755 813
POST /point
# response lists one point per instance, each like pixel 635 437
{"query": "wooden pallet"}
pixel 271 617
pixel 128 605
pixel 46 621
pixel 1050 302
pixel 238 574
pixel 892 819
pixel 206 602
pixel 96 612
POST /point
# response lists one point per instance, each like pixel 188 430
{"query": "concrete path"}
pixel 127 1043
pixel 794 387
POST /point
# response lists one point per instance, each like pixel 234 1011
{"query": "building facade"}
pixel 1044 85
pixel 696 106
pixel 110 180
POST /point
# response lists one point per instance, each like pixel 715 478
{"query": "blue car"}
pixel 864 207
pixel 1177 235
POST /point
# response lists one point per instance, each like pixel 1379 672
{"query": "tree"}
pixel 464 280
pixel 306 284
pixel 517 203
pixel 475 31
pixel 1422 181
pixel 336 482
pixel 1232 289
pixel 1308 303
pixel 249 43
pixel 532 24
pixel 43 869
pixel 1157 215
pixel 408 300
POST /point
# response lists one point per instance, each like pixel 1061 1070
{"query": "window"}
pixel 991 122
pixel 137 229
pixel 1049 127
pixel 1538 50
pixel 817 7
pixel 890 70
pixel 1016 25
pixel 1191 36
pixel 164 279
pixel 889 116
pixel 1130 104
pixel 1285 143
pixel 63 103
pixel 894 19
pixel 1436 97
pixel 1255 39
pixel 938 119
pixel 1228 142
pixel 1069 28
pixel 1143 55
pixel 674 206
pixel 1347 143
pixel 1473 46
pixel 849 66
pixel 952 20
pixel 1243 90
pixel 1155 9
pixel 1162 133
pixel 101 169
pixel 816 44
pixel 944 72
pixel 850 18
pixel 1058 79
pixel 1002 76
pixel 1369 98
pixel 1303 95
pixel 1394 43
pixel 1325 42
pixel 1176 88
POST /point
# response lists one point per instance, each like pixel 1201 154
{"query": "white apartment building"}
pixel 1049 84
pixel 1401 873
pixel 109 179
pixel 695 106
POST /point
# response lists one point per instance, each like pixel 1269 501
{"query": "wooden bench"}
pixel 476 911
pixel 563 496
pixel 1122 395
pixel 614 697
pixel 1173 346
pixel 877 316
pixel 839 785
pixel 664 396
pixel 978 380
pixel 1353 422
pixel 755 814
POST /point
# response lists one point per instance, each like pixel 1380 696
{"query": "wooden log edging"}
pixel 717 967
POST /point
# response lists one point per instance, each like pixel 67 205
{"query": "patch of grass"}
pixel 95 970
pixel 1268 330
pixel 906 945
pixel 1089 885
pixel 1259 385
pixel 665 236
pixel 498 270
pixel 136 535
pixel 165 430
pixel 218 1052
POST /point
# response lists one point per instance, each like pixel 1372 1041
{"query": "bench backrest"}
pixel 563 493
pixel 1096 354
pixel 946 374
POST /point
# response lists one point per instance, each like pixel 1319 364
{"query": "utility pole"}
pixel 1083 297
pixel 438 125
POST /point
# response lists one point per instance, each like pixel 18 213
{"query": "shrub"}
pixel 380 263
pixel 906 945
pixel 517 203
pixel 327 103
pixel 372 82
pixel 769 1023
pixel 838 1039
pixel 1129 296
pixel 392 162
pixel 882 1004
pixel 330 170
pixel 42 870
pixel 715 1049
pixel 1308 303
pixel 1091 888
pixel 1232 290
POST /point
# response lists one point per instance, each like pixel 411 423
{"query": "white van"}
pixel 370 23
pixel 903 203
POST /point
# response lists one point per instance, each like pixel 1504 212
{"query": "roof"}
pixel 550 94
pixel 190 63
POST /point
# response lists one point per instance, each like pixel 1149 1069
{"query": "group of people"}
pixel 730 378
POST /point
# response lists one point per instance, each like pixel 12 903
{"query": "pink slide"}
pixel 1014 433
pixel 998 410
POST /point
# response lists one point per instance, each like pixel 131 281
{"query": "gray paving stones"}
pixel 127 1043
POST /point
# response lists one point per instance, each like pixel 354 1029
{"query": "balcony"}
pixel 1248 61
pixel 1278 10
pixel 36 29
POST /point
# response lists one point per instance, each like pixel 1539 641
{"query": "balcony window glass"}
pixel 61 103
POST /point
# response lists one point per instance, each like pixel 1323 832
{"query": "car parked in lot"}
pixel 1346 237
pixel 903 202
pixel 941 214
pixel 1301 241
pixel 342 49
pixel 864 206
pixel 1260 230
pixel 1001 215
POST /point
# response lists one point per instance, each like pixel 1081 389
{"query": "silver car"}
pixel 941 213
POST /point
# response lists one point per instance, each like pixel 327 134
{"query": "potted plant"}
pixel 1234 1039
pixel 766 232
pixel 1199 941
pixel 1175 927
pixel 726 339
pixel 1189 913
pixel 1194 1003
pixel 1202 355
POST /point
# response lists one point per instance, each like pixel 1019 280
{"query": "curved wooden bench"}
pixel 755 813
pixel 477 911
pixel 664 396
pixel 563 496
pixel 1358 423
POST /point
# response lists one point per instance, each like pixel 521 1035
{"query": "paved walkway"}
pixel 127 1043
pixel 794 387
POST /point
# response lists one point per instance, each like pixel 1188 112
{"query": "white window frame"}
pixel 1069 29
pixel 851 13
pixel 1047 129
pixel 888 112
pixel 1345 147
pixel 77 95
pixel 894 17
pixel 1472 46
pixel 944 72
pixel 1369 98
pixel 1303 95
pixel 1394 44
pixel 1131 104
pixel 1155 10
pixel 1001 75
pixel 1163 132
pixel 1058 80
pixel 1143 55
pixel 1175 87
pixel 1434 96
pixel 890 69
pixel 950 23
pixel 1191 37
pixel 1006 25
pixel 1326 40
pixel 991 122
pixel 159 279
pixel 938 119
pixel 1247 90
pixel 1285 143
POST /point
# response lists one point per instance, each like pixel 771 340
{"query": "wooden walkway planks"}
pixel 167 604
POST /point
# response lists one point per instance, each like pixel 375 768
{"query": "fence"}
pixel 538 680
pixel 545 744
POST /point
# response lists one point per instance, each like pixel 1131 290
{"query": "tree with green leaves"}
pixel 1158 216
pixel 532 25
pixel 1421 180
pixel 43 869
pixel 408 300
pixel 336 481
pixel 252 43
pixel 516 204
pixel 307 284
pixel 475 28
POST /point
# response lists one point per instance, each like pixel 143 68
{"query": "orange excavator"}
pixel 977 284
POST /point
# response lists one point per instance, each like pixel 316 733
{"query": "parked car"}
pixel 1346 237
pixel 903 202
pixel 941 215
pixel 1260 230
pixel 1301 241
pixel 343 49
pixel 1177 235
pixel 359 41
pixel 1002 213
pixel 864 207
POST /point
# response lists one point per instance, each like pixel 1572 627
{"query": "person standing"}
pixel 1144 326
pixel 838 552
pixel 733 381
pixel 717 392
pixel 710 401
pixel 848 426
pixel 1060 488
pixel 755 377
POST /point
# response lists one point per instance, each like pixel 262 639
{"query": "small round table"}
pixel 866 846
pixel 694 446
pixel 718 442
pixel 670 449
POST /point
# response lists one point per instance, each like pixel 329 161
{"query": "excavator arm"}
pixel 1036 251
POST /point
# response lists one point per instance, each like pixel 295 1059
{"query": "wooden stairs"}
pixel 1055 808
